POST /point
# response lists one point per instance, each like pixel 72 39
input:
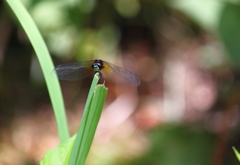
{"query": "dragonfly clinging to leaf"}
pixel 108 71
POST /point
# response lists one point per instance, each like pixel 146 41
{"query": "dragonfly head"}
pixel 96 68
pixel 97 65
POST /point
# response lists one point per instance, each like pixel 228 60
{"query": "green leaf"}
pixel 46 64
pixel 91 116
pixel 59 155
pixel 229 31
pixel 237 153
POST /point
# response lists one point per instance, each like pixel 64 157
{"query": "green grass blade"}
pixel 236 153
pixel 78 142
pixel 46 65
pixel 96 109
pixel 90 119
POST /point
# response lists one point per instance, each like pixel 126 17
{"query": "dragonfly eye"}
pixel 96 67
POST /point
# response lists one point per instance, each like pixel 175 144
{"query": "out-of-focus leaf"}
pixel 87 6
pixel 229 31
pixel 237 153
pixel 49 15
pixel 127 8
pixel 59 155
pixel 62 41
pixel 174 144
pixel 204 12
pixel 100 43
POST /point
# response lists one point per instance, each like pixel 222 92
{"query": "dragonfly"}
pixel 108 71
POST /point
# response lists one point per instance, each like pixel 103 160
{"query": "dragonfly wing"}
pixel 73 71
pixel 119 75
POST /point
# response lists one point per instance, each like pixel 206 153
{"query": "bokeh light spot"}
pixel 127 8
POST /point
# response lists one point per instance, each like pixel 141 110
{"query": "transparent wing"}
pixel 73 71
pixel 119 75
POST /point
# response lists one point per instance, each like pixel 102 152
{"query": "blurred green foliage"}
pixel 221 18
pixel 92 29
pixel 229 31
pixel 175 144
pixel 204 12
